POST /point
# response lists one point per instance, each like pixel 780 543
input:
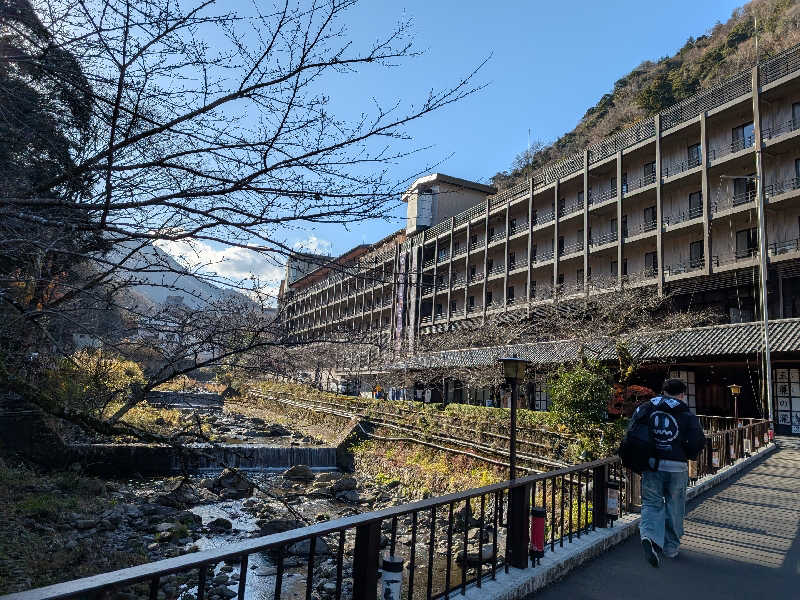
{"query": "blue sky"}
pixel 550 61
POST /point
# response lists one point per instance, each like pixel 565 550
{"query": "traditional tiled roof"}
pixel 729 341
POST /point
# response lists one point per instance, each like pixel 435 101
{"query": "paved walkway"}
pixel 742 541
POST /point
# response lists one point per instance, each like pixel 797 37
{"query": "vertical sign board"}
pixel 787 399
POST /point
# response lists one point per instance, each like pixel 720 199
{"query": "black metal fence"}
pixel 446 543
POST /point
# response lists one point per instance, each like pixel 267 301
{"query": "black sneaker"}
pixel 650 553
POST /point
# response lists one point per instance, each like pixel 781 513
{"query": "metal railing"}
pixel 478 244
pixel 571 248
pixel 686 215
pixel 519 227
pixel 473 308
pixel 498 235
pixel 542 256
pixel 604 238
pixel 443 257
pixel 640 228
pixel 734 257
pixel 543 216
pixel 469 214
pixel 779 129
pixel 781 187
pixel 459 280
pixel 571 208
pixel 477 276
pixel 429 263
pixel 780 65
pixel 685 266
pixel 784 247
pixel 602 195
pixel 521 189
pixel 641 182
pixel 520 261
pixel 739 199
pixel 736 145
pixel 497 269
pixel 676 168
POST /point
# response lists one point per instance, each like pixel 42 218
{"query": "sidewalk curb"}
pixel 519 583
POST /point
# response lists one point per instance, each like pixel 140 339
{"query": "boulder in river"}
pixel 345 484
pixel 280 525
pixel 299 473
pixel 179 495
pixel 230 484
pixel 220 524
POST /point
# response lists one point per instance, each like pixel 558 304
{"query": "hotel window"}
pixel 471 301
pixel 579 276
pixel 695 204
pixel 742 136
pixel 693 155
pixel 560 279
pixel 650 215
pixel 452 306
pixel 650 263
pixel 510 294
pixel 746 242
pixel 696 254
pixel 488 298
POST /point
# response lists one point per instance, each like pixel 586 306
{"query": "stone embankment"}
pixel 538 449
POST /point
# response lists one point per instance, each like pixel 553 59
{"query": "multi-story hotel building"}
pixel 693 201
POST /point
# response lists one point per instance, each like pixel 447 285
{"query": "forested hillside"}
pixel 724 50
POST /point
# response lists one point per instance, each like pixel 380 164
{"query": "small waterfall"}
pixel 126 459
pixel 257 458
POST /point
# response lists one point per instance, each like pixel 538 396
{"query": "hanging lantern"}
pixel 538 515
pixel 612 500
pixel 715 459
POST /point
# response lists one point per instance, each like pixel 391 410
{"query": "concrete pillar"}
pixel 586 221
pixel 619 218
pixel 555 236
pixel 706 193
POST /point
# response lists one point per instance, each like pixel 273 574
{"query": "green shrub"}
pixel 579 396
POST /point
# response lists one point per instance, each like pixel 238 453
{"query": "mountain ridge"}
pixel 726 49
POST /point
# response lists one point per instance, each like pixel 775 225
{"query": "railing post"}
pixel 365 561
pixel 518 526
pixel 599 479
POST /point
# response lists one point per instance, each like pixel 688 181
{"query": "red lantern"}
pixel 537 532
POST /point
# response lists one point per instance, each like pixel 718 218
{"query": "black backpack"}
pixel 638 447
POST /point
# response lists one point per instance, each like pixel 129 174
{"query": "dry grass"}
pixel 32 545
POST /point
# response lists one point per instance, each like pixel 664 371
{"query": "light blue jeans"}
pixel 663 507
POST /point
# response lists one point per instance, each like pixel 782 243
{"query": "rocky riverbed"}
pixel 163 518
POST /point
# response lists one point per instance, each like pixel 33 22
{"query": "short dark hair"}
pixel 673 387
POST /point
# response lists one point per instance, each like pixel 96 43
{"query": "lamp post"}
pixel 514 370
pixel 735 391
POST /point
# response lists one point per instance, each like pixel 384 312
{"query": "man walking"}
pixel 677 437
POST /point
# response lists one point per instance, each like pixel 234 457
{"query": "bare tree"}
pixel 178 123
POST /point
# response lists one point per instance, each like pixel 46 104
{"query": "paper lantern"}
pixel 538 515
